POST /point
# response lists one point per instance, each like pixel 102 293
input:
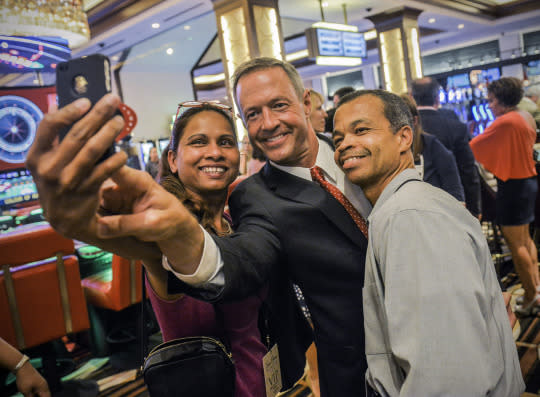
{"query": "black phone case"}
pixel 88 77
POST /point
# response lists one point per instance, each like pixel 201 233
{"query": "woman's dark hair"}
pixel 507 90
pixel 171 182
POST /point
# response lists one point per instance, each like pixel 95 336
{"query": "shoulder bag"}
pixel 198 366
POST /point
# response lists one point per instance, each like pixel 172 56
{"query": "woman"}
pixel 505 149
pixel 197 167
pixel 436 164
pixel 252 158
pixel 318 114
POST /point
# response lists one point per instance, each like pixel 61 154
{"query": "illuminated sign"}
pixel 341 47
pixel 23 54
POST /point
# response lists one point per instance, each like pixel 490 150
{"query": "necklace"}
pixel 226 231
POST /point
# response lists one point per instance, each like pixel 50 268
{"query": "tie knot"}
pixel 317 174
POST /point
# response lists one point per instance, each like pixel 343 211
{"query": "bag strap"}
pixel 144 336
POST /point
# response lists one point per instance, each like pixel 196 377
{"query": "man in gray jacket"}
pixel 435 321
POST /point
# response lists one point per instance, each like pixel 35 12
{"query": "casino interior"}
pixel 74 309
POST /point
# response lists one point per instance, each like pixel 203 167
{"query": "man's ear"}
pixel 405 135
pixel 171 158
pixel 306 99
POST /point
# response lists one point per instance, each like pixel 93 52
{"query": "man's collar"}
pixel 426 108
pixel 401 178
pixel 325 160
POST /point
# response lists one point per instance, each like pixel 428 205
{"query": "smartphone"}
pixel 85 77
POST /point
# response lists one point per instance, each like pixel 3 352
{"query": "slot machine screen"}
pixel 490 75
pixel 17 189
pixel 458 81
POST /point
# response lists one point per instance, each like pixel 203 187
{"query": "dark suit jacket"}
pixel 454 136
pixel 291 230
pixel 440 169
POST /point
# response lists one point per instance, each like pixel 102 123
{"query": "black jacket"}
pixel 454 136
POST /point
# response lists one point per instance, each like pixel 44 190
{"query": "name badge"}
pixel 272 372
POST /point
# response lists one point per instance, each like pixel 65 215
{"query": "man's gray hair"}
pixel 262 63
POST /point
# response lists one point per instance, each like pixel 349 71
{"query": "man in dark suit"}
pixel 288 228
pixel 453 135
pixel 340 93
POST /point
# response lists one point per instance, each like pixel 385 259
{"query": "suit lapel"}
pixel 299 190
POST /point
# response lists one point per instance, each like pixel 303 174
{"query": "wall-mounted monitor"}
pixel 345 45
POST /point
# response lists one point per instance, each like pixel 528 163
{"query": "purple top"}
pixel 187 316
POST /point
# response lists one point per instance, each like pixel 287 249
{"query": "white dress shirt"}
pixel 209 271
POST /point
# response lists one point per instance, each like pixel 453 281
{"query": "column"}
pixel 247 29
pixel 399 48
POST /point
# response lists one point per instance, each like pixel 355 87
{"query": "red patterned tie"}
pixel 317 176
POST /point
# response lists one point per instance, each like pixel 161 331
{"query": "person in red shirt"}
pixel 505 149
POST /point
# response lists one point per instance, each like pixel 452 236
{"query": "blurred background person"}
pixel 152 165
pixel 434 162
pixel 252 158
pixel 453 134
pixel 505 149
pixel 318 115
pixel 529 103
pixel 340 93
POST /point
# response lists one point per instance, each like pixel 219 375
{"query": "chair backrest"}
pixel 41 297
pixel 126 282
pixel 31 243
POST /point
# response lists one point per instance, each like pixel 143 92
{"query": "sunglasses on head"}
pixel 182 106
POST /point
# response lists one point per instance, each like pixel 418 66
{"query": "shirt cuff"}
pixel 208 266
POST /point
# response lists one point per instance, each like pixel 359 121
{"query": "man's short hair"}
pixel 425 91
pixel 262 63
pixel 341 92
pixel 395 109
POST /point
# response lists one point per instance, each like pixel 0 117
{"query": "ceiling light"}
pixel 335 26
pixel 293 56
pixel 338 61
pixel 370 34
pixel 62 18
pixel 155 25
pixel 187 27
pixel 460 26
pixel 325 4
pixel 169 51
pixel 4 44
pixel 432 20
pixel 209 78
